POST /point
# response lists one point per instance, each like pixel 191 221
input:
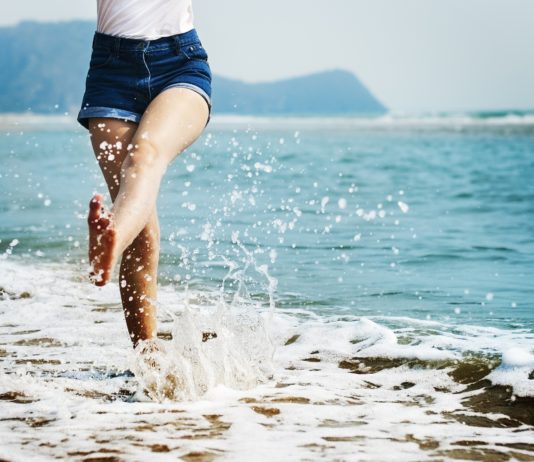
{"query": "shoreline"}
pixel 337 399
pixel 452 121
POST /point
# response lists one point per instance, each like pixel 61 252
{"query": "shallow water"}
pixel 399 258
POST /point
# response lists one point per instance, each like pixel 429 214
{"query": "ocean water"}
pixel 370 282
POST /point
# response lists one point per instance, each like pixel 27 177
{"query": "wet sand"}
pixel 66 392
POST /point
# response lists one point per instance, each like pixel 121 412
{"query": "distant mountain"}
pixel 329 92
pixel 44 67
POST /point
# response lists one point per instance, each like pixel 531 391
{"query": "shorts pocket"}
pixel 195 51
pixel 100 57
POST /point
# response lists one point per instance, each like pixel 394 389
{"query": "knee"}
pixel 143 155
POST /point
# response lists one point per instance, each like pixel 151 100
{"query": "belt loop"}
pixel 176 40
pixel 116 46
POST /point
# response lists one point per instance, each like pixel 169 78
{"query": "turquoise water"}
pixel 398 253
pixel 320 206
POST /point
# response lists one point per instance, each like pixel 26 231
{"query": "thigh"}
pixel 111 140
pixel 172 122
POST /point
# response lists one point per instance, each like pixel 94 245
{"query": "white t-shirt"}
pixel 144 19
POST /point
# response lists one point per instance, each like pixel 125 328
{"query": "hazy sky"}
pixel 415 55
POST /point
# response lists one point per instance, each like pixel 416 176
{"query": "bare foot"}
pixel 153 369
pixel 101 242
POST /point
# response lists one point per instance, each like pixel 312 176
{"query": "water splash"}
pixel 214 342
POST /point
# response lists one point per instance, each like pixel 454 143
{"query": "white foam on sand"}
pixel 268 387
pixel 515 369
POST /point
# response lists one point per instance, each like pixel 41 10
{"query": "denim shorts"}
pixel 125 74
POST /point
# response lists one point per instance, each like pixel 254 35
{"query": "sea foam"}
pixel 284 383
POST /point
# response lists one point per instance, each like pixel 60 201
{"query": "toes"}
pixel 95 209
pixel 103 221
pixel 97 214
pixel 101 241
pixel 96 202
pixel 98 278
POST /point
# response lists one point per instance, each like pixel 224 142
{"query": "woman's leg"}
pixel 138 271
pixel 172 122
